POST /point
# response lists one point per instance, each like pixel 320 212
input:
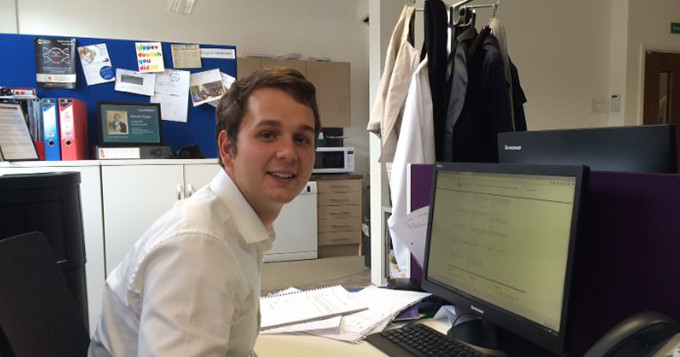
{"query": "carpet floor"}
pixel 348 271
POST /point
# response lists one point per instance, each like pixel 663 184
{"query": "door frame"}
pixel 641 73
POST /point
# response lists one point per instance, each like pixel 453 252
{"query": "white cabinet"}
pixel 296 228
pixel 91 207
pixel 136 193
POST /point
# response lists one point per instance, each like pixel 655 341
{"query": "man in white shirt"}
pixel 191 285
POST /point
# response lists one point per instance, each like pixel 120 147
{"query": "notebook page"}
pixel 303 306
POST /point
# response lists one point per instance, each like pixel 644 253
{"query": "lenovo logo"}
pixel 513 147
pixel 475 308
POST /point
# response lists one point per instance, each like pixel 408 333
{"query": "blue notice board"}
pixel 17 69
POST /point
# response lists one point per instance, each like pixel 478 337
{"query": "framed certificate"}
pixel 129 124
pixel 15 140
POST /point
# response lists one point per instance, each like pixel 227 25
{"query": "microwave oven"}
pixel 334 160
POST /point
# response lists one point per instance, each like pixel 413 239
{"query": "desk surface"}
pixel 308 345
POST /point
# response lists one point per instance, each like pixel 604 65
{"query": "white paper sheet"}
pixel 15 140
pixel 304 306
pixel 321 326
pixel 227 80
pixel 172 92
pixel 220 53
pixel 414 229
pixel 383 306
pixel 96 64
pixel 135 82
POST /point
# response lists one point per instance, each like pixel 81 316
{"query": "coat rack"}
pixel 455 10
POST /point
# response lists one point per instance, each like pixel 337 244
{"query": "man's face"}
pixel 276 152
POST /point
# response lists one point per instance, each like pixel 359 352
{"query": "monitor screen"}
pixel 500 243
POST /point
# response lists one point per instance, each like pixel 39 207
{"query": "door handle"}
pixel 180 192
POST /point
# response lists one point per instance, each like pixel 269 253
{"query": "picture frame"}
pixel 129 124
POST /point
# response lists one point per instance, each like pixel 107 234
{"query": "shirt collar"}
pixel 247 222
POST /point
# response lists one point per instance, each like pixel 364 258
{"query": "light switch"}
pixel 615 103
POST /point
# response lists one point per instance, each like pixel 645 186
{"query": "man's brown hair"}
pixel 234 105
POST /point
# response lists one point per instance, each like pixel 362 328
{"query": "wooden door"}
pixel 662 90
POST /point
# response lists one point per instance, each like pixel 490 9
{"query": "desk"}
pixel 308 345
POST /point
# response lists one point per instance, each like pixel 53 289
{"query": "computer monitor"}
pixel 500 246
pixel 640 148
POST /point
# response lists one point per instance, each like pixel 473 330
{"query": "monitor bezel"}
pixel 525 328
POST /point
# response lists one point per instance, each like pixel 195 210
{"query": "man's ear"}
pixel 225 150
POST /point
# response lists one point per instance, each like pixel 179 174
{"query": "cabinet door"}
pixel 91 207
pixel 276 62
pixel 197 176
pixel 247 65
pixel 332 81
pixel 134 197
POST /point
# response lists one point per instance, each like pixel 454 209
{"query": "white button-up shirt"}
pixel 191 285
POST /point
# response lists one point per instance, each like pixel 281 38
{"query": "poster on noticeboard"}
pixel 55 62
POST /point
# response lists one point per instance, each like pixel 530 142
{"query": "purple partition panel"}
pixel 421 182
pixel 627 254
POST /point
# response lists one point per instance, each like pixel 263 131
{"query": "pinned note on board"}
pixel 149 57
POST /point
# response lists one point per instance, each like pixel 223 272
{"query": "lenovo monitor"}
pixel 500 246
pixel 642 148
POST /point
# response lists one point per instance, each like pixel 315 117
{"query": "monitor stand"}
pixel 479 333
pixel 494 341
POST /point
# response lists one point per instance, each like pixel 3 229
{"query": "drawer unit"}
pixel 339 216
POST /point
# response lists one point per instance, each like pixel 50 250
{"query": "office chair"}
pixel 38 314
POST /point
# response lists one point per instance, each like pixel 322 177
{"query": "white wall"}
pixel 327 28
pixel 561 50
pixel 8 19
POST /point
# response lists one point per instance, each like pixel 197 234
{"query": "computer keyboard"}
pixel 419 340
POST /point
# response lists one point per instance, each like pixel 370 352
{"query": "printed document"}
pixel 172 91
pixel 96 64
pixel 135 82
pixel 186 56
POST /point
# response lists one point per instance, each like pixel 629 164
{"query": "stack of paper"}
pixel 383 306
pixel 296 307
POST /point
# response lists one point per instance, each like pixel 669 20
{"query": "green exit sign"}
pixel 675 27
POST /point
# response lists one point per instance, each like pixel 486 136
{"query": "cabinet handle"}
pixel 340 225
pixel 339 213
pixel 190 190
pixel 180 192
pixel 341 239
pixel 339 199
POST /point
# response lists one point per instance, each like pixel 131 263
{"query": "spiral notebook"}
pixel 308 305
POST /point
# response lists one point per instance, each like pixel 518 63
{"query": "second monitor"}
pixel 643 148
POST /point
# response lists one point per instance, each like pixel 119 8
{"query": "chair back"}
pixel 38 313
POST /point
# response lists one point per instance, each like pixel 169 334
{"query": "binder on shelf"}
pixel 51 136
pixel 73 129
